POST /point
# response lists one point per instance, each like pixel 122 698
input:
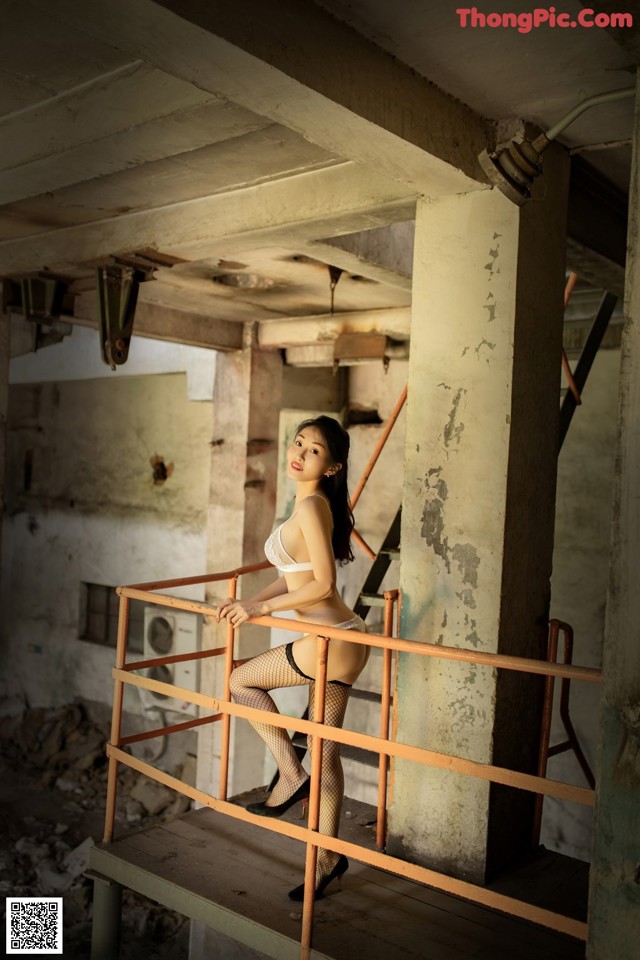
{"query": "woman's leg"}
pixel 249 685
pixel 332 782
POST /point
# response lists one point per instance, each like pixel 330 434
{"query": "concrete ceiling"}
pixel 253 151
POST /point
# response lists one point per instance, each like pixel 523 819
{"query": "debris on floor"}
pixel 53 787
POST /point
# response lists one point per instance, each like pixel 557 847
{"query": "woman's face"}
pixel 308 457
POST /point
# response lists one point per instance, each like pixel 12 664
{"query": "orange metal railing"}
pixel 385 745
pixel 571 743
pixel 373 459
pixel 571 383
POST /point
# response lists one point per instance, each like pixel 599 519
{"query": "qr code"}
pixel 34 925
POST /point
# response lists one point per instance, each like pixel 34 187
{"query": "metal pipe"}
pixel 568 290
pixel 594 101
pixel 431 758
pixel 232 588
pixel 545 731
pixel 173 728
pixel 384 436
pixel 383 763
pixel 564 713
pixel 319 701
pixel 498 660
pixel 363 544
pixel 116 717
pixel 175 658
pixel 205 578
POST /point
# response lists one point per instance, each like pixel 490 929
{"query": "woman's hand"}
pixel 238 611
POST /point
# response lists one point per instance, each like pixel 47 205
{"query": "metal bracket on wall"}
pixel 42 297
pixel 118 286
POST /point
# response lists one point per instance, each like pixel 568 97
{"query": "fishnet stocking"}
pixel 249 685
pixel 332 777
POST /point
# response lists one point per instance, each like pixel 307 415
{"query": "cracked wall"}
pixel 87 510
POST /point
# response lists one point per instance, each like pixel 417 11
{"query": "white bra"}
pixel 277 555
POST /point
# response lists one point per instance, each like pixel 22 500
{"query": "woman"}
pixel 305 549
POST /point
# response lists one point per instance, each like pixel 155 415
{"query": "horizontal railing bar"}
pixel 166 689
pixel 165 600
pixel 175 658
pixel 380 861
pixel 370 695
pixel 174 728
pixel 496 660
pixel 205 578
pixel 443 761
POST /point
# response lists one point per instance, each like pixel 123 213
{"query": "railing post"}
pixel 319 700
pixel 116 718
pixel 565 687
pixel 232 587
pixel 545 729
pixel 390 597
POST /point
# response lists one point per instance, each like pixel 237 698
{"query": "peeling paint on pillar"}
pixel 451 431
pixel 432 527
pixel 466 556
pixel 457 456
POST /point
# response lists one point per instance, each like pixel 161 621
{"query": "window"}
pixel 99 617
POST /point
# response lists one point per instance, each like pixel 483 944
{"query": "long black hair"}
pixel 336 486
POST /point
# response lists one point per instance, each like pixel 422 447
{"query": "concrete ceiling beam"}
pixel 164 323
pixel 342 198
pixel 76 161
pixel 294 63
pixel 394 322
pixel 384 254
pixel 51 126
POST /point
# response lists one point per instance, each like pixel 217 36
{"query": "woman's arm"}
pixel 275 589
pixel 315 525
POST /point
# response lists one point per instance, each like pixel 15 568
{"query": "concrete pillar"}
pixel 478 509
pixel 246 407
pixel 614 903
pixel 107 918
pixel 5 354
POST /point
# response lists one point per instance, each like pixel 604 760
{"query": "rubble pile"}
pixel 56 756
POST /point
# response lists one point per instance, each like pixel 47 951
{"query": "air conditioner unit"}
pixel 167 633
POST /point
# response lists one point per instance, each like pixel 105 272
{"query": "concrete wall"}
pixel 579 586
pixel 93 513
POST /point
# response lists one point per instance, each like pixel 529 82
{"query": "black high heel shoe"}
pixel 341 867
pixel 262 810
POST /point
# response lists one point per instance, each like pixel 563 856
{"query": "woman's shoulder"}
pixel 315 505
